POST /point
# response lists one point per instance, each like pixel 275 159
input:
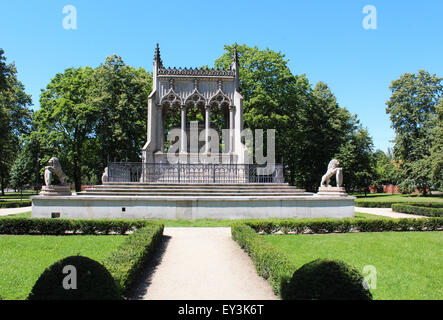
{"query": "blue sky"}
pixel 324 39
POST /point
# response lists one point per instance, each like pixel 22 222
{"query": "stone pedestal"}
pixel 55 191
pixel 332 192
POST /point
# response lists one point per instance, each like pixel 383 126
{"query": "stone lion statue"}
pixel 332 170
pixel 56 168
pixel 105 175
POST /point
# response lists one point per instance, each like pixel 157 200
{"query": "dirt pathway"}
pixel 202 264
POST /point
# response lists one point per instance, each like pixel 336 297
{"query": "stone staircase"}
pixel 194 190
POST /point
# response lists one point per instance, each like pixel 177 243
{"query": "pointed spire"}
pixel 157 57
pixel 235 55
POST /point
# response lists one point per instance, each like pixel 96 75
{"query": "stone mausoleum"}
pixel 194 176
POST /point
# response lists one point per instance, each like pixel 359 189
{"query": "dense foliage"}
pixel 11 225
pixel 324 225
pixel 15 117
pixel 418 210
pixel 415 111
pixel 92 281
pixel 126 262
pixel 324 279
pixel 311 128
pixel 89 116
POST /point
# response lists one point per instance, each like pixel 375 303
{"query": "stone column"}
pixel 160 128
pixel 231 129
pixel 207 126
pixel 183 130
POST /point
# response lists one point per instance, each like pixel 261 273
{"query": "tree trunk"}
pixel 292 176
pixel 425 190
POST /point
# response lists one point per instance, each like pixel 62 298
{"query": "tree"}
pixel 6 71
pixel 120 92
pixel 357 160
pixel 66 120
pixel 412 110
pixel 267 86
pixel 89 116
pixel 310 125
pixel 324 128
pixel 15 117
pixel 21 172
pixel 385 170
pixel 436 156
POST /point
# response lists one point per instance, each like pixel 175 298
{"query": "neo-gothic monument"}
pixel 199 181
pixel 206 91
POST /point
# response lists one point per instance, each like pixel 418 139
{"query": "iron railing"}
pixel 193 173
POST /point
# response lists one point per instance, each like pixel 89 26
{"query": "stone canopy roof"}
pixel 196 72
pixel 191 72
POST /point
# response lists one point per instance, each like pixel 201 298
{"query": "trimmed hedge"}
pixel 418 210
pixel 325 279
pixel 93 282
pixel 271 263
pixel 388 204
pixel 126 262
pixel 15 204
pixel 17 226
pixel 300 226
pixel 276 267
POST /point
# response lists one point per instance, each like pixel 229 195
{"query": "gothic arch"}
pixel 195 100
pixel 219 100
pixel 171 99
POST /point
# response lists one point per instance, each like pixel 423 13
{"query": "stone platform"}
pixel 193 201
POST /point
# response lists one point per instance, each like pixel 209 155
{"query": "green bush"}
pixel 388 204
pixel 324 279
pixel 300 226
pixel 418 210
pixel 93 282
pixel 270 262
pixel 126 262
pixel 15 204
pixel 11 225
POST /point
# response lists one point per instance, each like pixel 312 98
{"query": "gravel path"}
pixel 386 212
pixel 8 211
pixel 202 264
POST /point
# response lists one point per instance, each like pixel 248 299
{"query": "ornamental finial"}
pixel 235 55
pixel 157 57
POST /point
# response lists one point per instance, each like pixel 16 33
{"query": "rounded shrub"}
pixel 324 279
pixel 75 278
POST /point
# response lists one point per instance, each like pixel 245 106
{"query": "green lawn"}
pixel 398 197
pixel 16 195
pixel 227 223
pixel 369 216
pixel 24 258
pixel 19 215
pixel 408 264
pixel 198 223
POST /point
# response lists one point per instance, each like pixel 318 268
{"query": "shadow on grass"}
pixel 144 280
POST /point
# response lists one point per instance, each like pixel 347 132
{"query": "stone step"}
pixel 195 194
pixel 184 185
pixel 191 186
pixel 189 190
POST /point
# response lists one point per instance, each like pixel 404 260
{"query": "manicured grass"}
pixel 198 223
pixel 19 215
pixel 24 258
pixel 408 264
pixel 388 197
pixel 227 223
pixel 369 216
pixel 201 223
pixel 16 195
